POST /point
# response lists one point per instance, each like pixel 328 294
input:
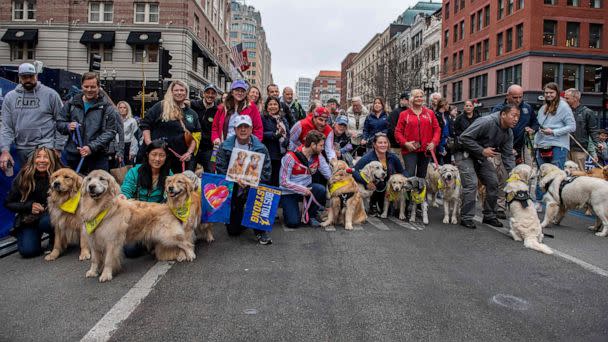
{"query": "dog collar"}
pixel 94 223
pixel 513 178
pixel 419 197
pixel 183 212
pixel 71 205
pixel 337 185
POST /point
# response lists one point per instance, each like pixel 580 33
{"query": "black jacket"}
pixel 393 118
pixel 461 123
pixel 290 119
pixel 97 126
pixel 170 131
pixel 205 118
pixel 271 139
pixel 13 201
pixel 487 132
pixel 586 128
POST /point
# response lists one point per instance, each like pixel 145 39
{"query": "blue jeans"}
pixel 559 159
pixel 291 210
pixel 29 237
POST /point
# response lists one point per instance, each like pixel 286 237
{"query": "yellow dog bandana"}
pixel 513 178
pixel 182 212
pixel 337 185
pixel 71 205
pixel 441 186
pixel 419 197
pixel 94 223
pixel 364 176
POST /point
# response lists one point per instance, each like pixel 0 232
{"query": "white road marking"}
pixel 357 227
pixel 583 264
pixel 288 229
pixel 330 228
pixel 103 330
pixel 374 221
pixel 403 224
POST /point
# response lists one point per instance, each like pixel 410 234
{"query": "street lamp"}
pixel 429 87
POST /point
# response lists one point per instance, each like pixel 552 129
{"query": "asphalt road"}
pixel 378 283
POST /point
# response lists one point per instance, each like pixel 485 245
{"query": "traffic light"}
pixel 164 64
pixel 95 62
pixel 601 78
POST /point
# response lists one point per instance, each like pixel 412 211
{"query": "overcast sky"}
pixel 306 36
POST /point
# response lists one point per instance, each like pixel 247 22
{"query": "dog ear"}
pixel 421 184
pixel 114 187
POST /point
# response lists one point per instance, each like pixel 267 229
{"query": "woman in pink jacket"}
pixel 236 103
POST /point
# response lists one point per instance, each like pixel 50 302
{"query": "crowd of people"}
pixel 90 132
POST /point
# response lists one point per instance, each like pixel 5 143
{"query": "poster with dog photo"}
pixel 245 166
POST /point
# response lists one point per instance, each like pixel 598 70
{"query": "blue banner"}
pixel 8 217
pixel 261 207
pixel 216 198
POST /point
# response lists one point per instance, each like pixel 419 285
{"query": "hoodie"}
pixel 29 118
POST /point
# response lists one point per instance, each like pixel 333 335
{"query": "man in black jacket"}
pixel 393 118
pixel 587 130
pixel 206 109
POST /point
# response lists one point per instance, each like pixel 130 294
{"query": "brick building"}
pixel 489 45
pixel 326 85
pixel 127 34
pixel 346 91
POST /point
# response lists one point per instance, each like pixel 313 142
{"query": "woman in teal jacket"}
pixel 146 182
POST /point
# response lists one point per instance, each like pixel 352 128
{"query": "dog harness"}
pixel 562 184
pixel 419 197
pixel 94 223
pixel 71 205
pixel 338 185
pixel 183 212
pixel 521 196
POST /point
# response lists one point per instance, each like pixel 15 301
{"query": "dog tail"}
pixel 532 243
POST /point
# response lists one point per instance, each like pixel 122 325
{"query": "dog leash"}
pixel 307 204
pixel 435 163
pixel 585 150
pixel 77 138
pixel 178 156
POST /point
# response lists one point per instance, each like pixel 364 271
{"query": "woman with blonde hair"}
pixel 28 199
pixel 130 127
pixel 174 121
pixel 254 95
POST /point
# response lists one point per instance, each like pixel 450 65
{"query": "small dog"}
pixel 432 184
pixel 64 203
pixel 345 202
pixel 373 172
pixel 396 192
pixel 450 185
pixel 525 225
pixel 252 169
pixel 418 197
pixel 239 165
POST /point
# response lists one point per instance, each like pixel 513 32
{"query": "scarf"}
pixel 71 205
pixel 183 212
pixel 94 223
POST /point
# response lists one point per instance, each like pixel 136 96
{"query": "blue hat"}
pixel 210 86
pixel 342 120
pixel 239 84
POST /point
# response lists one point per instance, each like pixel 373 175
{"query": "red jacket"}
pixel 423 129
pixel 218 122
pixel 307 126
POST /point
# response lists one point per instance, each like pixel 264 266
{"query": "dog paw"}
pixel 435 205
pixel 413 219
pixel 91 274
pixel 209 238
pixel 105 276
pixel 425 221
pixel 190 256
pixel 84 255
pixel 53 256
pixel 446 220
pixel 383 216
pixel 601 234
pixel 348 227
pixel 454 220
pixel 325 224
pixel 402 217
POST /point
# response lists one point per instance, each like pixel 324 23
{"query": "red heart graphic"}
pixel 216 195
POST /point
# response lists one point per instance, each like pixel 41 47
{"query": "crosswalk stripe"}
pixel 377 223
pixel 358 227
pixel 403 224
pixel 330 229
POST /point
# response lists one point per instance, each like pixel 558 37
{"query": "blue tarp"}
pixel 5 87
pixel 7 217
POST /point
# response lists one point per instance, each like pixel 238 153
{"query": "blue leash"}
pixel 78 140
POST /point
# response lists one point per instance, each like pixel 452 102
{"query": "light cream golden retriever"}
pixel 396 192
pixel 252 168
pixel 239 165
pixel 112 222
pixel 373 172
pixel 345 202
pixel 451 187
pixel 64 189
pixel 525 225
pixel 432 184
pixel 575 193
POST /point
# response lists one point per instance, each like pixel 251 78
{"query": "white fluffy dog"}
pixel 525 225
pixel 570 166
pixel 373 172
pixel 396 191
pixel 450 185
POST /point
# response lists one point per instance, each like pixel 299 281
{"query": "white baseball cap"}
pixel 27 69
pixel 242 120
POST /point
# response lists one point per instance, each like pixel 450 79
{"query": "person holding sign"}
pixel 297 169
pixel 243 140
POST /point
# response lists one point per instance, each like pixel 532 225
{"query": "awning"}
pixel 143 38
pixel 100 37
pixel 197 50
pixel 20 35
pixel 203 54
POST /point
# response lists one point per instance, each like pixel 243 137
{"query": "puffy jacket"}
pixel 97 125
pixel 251 110
pixel 393 119
pixel 271 140
pixel 225 152
pixel 586 128
pixel 424 129
pixel 375 124
pixel 356 123
pixel 393 165
pixel 297 112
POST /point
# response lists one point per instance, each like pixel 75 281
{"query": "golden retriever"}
pixel 112 222
pixel 345 202
pixel 373 172
pixel 252 168
pixel 67 222
pixel 451 187
pixel 239 165
pixel 572 169
pixel 417 197
pixel 432 183
pixel 525 225
pixel 185 202
pixel 396 192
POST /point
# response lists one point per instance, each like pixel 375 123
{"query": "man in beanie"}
pixel 29 116
pixel 332 106
pixel 316 121
pixel 393 118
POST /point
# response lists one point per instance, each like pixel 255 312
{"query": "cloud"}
pixel 307 36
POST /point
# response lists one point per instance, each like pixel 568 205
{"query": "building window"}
pixel 510 7
pixel 549 32
pixel 446 38
pixel 486 49
pixel 478 86
pixel 589 84
pixel 446 65
pixel 471 54
pixel 455 39
pixel 100 12
pixel 478 52
pixel 509 44
pixel 499 44
pixel 472 23
pixel 24 10
pixel 249 45
pixel 462 4
pixel 251 54
pixel 197 25
pixel 447 10
pixel 501 9
pixel 106 52
pixel 479 20
pixel 519 31
pixel 520 4
pixel 456 3
pixel 145 53
pixel 571 76
pixel 461 30
pixel 595 35
pixel 460 59
pixel 507 77
pixel 550 2
pixel 595 3
pixel 550 71
pixel 146 13
pixel 572 32
pixel 454 61
pixel 486 19
pixel 457 91
pixel 573 3
pixel 23 50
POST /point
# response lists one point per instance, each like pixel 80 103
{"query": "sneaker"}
pixel 539 207
pixel 501 215
pixel 314 223
pixel 264 239
pixel 468 224
pixel 493 222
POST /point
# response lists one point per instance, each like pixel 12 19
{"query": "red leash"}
pixel 434 159
pixel 178 156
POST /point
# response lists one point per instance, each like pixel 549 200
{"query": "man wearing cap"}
pixel 332 106
pixel 244 140
pixel 297 112
pixel 393 118
pixel 316 121
pixel 206 109
pixel 29 117
pixel 342 144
